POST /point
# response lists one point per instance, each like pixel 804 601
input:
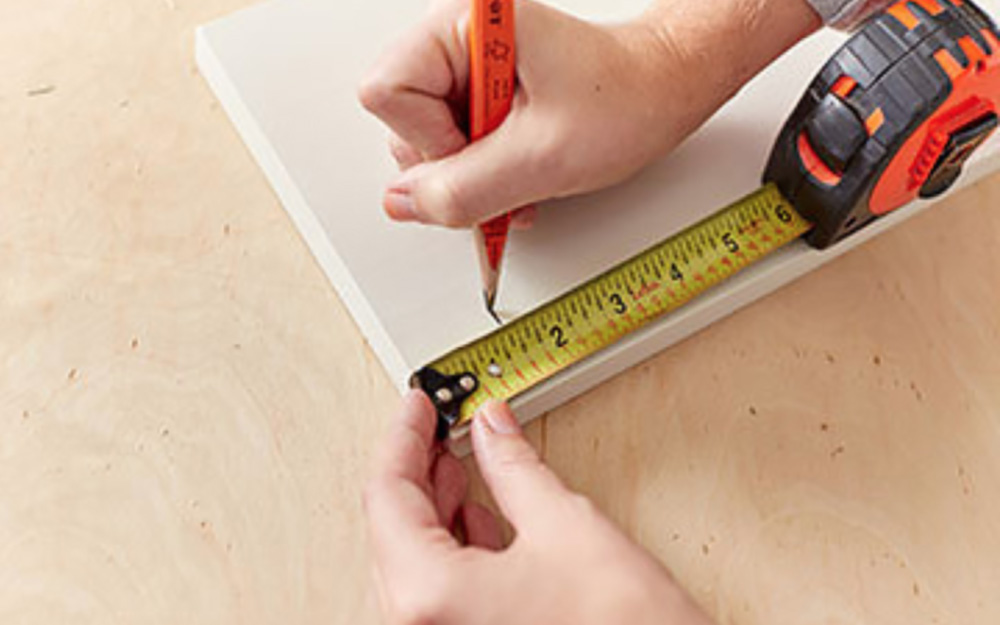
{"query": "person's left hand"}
pixel 567 563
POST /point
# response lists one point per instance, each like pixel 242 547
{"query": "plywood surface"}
pixel 186 408
pixel 285 72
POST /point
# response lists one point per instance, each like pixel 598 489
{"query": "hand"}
pixel 594 105
pixel 567 563
pixel 586 115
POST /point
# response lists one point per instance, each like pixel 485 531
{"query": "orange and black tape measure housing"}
pixel 893 116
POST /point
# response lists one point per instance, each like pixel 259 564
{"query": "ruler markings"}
pixel 601 311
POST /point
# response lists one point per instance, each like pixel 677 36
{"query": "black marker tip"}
pixel 490 301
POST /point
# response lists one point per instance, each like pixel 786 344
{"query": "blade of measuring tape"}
pixel 555 336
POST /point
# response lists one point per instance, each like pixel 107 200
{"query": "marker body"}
pixel 492 81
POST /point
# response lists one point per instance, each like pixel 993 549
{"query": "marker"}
pixel 492 82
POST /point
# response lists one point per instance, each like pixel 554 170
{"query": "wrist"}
pixel 710 49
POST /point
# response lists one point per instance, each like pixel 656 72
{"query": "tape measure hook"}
pixel 447 393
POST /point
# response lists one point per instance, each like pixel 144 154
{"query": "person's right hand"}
pixel 588 113
pixel 594 104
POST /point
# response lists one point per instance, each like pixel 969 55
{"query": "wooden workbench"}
pixel 187 411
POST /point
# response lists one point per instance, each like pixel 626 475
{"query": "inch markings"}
pixel 596 314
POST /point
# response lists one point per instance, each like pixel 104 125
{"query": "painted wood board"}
pixel 286 72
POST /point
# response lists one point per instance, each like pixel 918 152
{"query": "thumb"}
pixel 521 484
pixel 495 175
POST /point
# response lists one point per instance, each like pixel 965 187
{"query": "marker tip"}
pixel 490 302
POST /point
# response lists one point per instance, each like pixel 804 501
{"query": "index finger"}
pixel 416 80
pixel 402 519
pixel 409 447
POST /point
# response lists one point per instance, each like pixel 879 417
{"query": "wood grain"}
pixel 186 409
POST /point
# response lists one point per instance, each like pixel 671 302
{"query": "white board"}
pixel 286 72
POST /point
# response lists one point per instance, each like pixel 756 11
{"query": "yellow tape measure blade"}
pixel 553 337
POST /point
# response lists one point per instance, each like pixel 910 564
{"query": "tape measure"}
pixel 893 116
pixel 553 337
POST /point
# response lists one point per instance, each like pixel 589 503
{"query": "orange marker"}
pixel 492 81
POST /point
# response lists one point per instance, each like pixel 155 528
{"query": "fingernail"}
pixel 400 205
pixel 414 396
pixel 499 418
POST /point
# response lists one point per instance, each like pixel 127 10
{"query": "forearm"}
pixel 727 42
pixel 724 43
